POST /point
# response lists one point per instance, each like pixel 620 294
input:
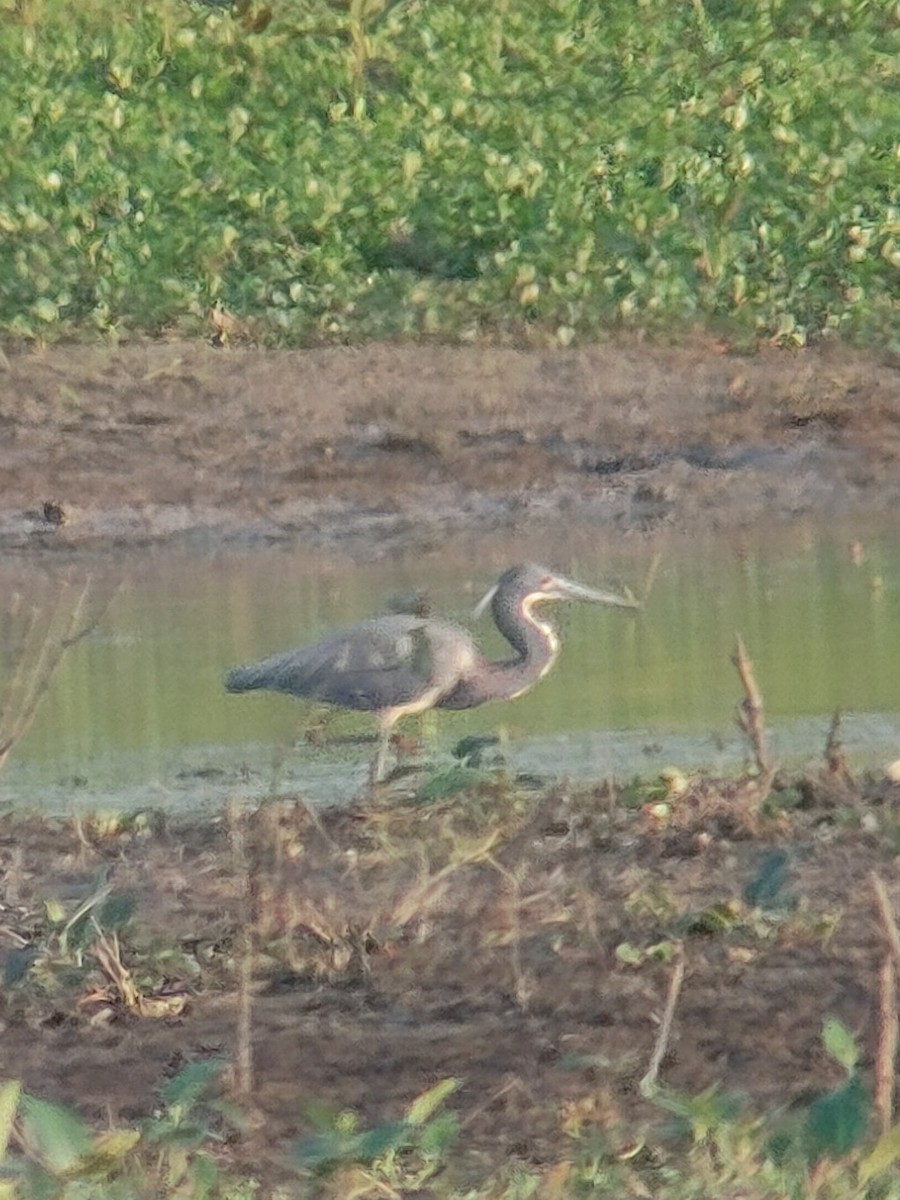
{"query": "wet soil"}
pixel 369 449
pixel 521 944
pixel 482 938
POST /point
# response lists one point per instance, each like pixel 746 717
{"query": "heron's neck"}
pixel 536 646
pixel 535 643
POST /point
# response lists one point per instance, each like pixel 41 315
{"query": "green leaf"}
pixel 321 1116
pixel 767 887
pixel 117 910
pixel 18 963
pixel 703 1112
pixel 322 1149
pixel 837 1121
pixel 108 1151
pixel 446 784
pixel 204 1178
pixel 53 1136
pixel 471 750
pixel 379 1141
pixel 45 310
pixel 709 1111
pixel 425 1104
pixel 840 1044
pixel 438 1135
pixel 883 1155
pixel 188 1085
pixel 9 1099
pixel 716 919
pixel 334 1147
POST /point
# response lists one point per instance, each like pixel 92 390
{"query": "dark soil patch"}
pixel 482 939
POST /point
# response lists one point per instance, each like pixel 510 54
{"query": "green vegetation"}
pixel 312 171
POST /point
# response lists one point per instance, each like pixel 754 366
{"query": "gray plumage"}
pixel 401 664
pixel 379 664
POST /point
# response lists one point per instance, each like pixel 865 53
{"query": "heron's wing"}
pixel 387 662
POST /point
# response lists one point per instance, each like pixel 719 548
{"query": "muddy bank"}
pixel 381 447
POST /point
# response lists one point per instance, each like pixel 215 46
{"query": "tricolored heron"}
pixel 401 664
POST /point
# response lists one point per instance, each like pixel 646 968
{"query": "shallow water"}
pixel 136 713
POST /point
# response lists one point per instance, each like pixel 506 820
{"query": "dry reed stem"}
pixel 108 953
pixel 835 754
pixel 243 1058
pixel 649 1083
pixel 886 915
pixel 751 716
pixel 886 1054
pixel 429 890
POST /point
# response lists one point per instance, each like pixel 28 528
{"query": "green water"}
pixel 136 711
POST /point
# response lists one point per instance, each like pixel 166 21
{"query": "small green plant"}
pixel 58 948
pixel 48 1152
pixel 823 1144
pixel 837 1121
pixel 398 1154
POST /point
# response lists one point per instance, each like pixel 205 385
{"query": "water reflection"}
pixel 138 704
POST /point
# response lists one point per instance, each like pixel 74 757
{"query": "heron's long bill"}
pixel 568 589
pixel 482 605
pixel 557 587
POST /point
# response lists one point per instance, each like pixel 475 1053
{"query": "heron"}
pixel 401 664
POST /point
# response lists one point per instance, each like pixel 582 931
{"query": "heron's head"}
pixel 525 585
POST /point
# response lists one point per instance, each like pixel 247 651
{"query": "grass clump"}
pixel 300 172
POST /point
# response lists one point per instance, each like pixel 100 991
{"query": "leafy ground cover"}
pixel 459 996
pixel 298 170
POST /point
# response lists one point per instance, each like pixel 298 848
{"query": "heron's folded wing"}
pixel 379 664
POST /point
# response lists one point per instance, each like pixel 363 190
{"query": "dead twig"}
pixel 649 1084
pixel 886 915
pixel 243 1060
pixel 886 1053
pixel 751 718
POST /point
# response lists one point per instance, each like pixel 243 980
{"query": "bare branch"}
pixel 38 646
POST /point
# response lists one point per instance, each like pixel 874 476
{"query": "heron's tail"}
pixel 245 679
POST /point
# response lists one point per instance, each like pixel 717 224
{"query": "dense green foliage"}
pixel 365 168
